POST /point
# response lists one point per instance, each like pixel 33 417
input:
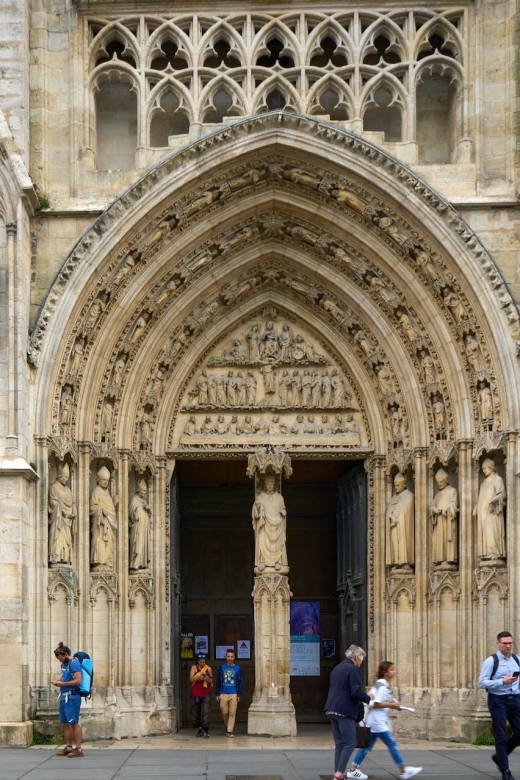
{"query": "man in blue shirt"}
pixel 70 701
pixel 230 687
pixel 499 676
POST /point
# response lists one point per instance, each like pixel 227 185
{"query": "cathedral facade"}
pixel 257 238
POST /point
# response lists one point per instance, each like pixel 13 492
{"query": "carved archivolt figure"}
pixel 140 327
pixel 428 367
pixel 62 516
pixel 96 310
pixel 472 350
pixel 77 356
pixel 400 517
pixel 408 328
pixel 66 405
pixel 269 517
pixel 439 413
pixel 107 415
pixel 454 304
pixel 489 511
pixel 443 514
pixel 103 517
pixel 119 370
pixel 140 516
pixel 486 401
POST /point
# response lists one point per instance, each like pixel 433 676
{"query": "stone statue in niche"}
pixel 107 415
pixel 489 511
pixel 124 271
pixel 103 519
pixel 62 519
pixel 386 295
pixel 427 267
pixel 454 304
pixel 269 519
pixel 66 405
pixel 443 514
pixel 400 515
pixel 439 414
pixel 486 402
pixel 408 329
pixel 144 430
pixel 140 516
pixel 119 371
pixel 76 358
pixel 428 367
pixel 472 350
pixel 96 310
pixel 139 329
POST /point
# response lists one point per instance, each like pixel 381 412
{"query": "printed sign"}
pixel 305 638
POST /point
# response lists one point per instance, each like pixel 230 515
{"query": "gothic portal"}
pixel 272 274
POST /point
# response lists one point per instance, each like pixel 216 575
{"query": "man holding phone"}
pixel 499 676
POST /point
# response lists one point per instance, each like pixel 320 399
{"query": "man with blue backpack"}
pixel 70 701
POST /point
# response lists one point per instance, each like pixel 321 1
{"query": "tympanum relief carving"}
pixel 270 380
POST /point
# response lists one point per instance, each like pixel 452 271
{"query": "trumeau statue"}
pixel 62 516
pixel 443 514
pixel 269 520
pixel 400 516
pixel 140 516
pixel 103 517
pixel 489 511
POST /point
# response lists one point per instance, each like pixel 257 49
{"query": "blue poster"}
pixel 305 638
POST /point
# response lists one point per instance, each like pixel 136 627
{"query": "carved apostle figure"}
pixel 400 518
pixel 103 517
pixel 269 516
pixel 443 514
pixel 62 516
pixel 139 518
pixel 489 511
pixel 486 401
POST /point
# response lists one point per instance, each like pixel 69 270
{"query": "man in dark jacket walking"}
pixel 345 695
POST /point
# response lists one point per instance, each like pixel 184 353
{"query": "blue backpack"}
pixel 87 673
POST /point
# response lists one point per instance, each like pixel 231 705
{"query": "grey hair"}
pixel 355 652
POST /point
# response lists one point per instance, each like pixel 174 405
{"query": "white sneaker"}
pixel 357 774
pixel 410 771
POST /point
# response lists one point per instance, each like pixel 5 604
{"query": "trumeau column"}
pixel 272 711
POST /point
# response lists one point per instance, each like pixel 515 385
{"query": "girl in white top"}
pixel 378 722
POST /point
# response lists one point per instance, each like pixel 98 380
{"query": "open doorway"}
pixel 213 565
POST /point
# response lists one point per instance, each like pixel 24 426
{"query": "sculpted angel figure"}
pixel 269 519
pixel 140 516
pixel 62 518
pixel 103 518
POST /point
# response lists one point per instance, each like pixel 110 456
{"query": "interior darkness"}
pixel 217 560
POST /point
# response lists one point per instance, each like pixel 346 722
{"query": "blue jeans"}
pixel 502 709
pixel 344 733
pixel 389 741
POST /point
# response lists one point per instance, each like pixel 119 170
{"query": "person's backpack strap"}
pixel 495 663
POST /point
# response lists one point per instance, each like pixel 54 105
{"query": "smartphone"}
pixel 515 674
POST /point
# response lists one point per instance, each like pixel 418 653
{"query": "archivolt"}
pixel 379 252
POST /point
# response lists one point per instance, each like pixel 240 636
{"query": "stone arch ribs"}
pixel 334 193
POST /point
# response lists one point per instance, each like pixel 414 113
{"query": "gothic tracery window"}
pixel 400 73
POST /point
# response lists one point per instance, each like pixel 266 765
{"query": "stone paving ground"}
pixel 184 757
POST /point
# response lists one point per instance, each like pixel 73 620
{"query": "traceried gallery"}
pixel 260 341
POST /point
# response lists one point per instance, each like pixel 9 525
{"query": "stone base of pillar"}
pixel 16 734
pixel 272 719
